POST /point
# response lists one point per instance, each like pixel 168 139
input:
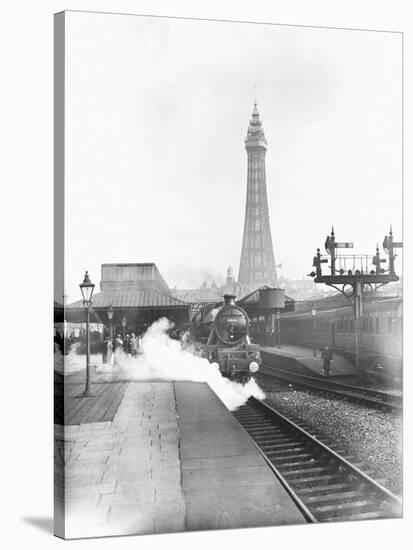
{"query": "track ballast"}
pixel 355 394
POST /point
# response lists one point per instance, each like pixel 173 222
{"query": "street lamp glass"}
pixel 124 322
pixel 110 313
pixel 87 289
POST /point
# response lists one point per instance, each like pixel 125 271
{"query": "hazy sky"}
pixel 156 115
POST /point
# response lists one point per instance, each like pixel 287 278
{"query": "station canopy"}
pixel 136 292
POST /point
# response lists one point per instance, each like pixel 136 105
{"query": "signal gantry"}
pixel 351 273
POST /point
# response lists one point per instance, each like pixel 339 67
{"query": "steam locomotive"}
pixel 228 344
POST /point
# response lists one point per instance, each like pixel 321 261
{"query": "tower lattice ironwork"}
pixel 257 265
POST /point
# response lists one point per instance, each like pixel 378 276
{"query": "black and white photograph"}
pixel 228 261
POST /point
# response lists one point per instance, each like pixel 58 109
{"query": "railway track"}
pixel 324 485
pixel 349 392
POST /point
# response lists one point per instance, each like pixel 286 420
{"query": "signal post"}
pixel 350 274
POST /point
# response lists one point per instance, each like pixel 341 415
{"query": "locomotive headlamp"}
pixel 254 366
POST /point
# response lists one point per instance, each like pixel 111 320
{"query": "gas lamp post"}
pixel 86 287
pixel 124 327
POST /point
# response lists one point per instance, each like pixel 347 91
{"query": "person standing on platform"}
pixel 126 345
pixel 118 343
pixel 118 351
pixel 327 357
pixel 134 345
pixel 109 356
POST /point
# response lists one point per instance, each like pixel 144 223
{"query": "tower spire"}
pixel 257 265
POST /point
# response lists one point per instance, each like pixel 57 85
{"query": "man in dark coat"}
pixel 326 356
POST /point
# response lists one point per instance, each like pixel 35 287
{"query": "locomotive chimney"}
pixel 229 299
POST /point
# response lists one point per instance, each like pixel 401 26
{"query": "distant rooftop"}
pixel 198 295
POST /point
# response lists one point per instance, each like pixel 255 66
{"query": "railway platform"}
pixel 304 357
pixel 156 456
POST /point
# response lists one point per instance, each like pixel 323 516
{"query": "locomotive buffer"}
pixel 350 274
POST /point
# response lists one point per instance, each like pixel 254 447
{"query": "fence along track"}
pixel 324 485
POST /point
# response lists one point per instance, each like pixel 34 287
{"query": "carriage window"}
pixel 389 325
pixel 377 325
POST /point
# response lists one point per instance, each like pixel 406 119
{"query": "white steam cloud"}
pixel 162 357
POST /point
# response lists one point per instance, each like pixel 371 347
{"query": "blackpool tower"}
pixel 257 266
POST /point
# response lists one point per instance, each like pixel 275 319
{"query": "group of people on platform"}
pixel 117 348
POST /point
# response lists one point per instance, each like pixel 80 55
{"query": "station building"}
pixel 136 293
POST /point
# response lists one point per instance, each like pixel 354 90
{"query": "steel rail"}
pixel 325 485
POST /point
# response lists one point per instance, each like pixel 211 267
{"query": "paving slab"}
pixel 173 459
pixel 245 493
pixel 115 469
pixel 237 508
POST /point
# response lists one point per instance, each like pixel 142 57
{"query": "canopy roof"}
pixel 130 299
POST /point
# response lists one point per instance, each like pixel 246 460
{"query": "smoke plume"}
pixel 164 358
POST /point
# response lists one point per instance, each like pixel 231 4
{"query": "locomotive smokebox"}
pixel 229 299
pixel 271 298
